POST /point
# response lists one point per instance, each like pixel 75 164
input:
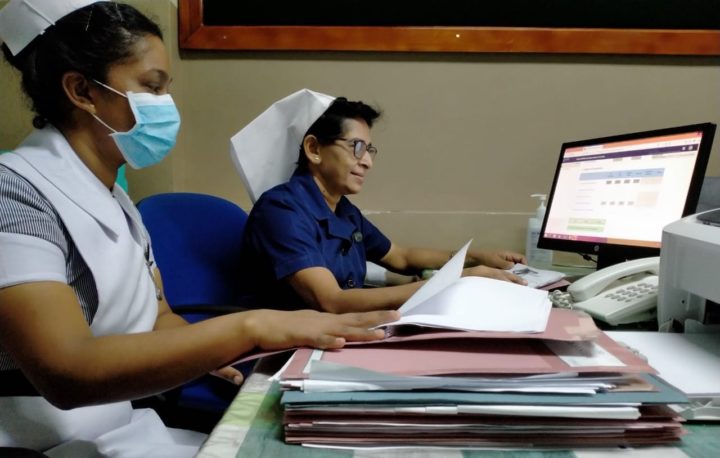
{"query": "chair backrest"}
pixel 196 241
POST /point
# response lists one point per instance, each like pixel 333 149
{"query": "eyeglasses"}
pixel 359 147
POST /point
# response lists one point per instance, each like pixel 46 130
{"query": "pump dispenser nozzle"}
pixel 540 211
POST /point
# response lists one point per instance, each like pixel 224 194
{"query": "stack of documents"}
pixel 479 392
pixel 479 363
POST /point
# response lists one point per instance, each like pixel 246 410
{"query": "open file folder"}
pixel 474 303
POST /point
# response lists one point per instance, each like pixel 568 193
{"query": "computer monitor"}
pixel 612 196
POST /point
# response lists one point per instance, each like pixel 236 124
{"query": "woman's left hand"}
pixel 491 272
pixel 499 259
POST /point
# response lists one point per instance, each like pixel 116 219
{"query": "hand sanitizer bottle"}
pixel 537 257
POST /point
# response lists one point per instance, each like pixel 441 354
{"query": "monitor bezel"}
pixel 610 253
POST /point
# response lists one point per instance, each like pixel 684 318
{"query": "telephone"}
pixel 619 294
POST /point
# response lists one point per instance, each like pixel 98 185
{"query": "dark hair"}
pixel 330 125
pixel 89 40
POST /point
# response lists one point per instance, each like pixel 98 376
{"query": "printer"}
pixel 688 356
pixel 689 283
pixel 688 300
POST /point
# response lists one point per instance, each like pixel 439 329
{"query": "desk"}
pixel 252 427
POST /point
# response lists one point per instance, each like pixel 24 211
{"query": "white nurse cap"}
pixel 23 20
pixel 266 150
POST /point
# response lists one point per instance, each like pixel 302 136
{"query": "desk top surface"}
pixel 252 426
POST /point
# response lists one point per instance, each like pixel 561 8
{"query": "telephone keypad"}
pixel 612 305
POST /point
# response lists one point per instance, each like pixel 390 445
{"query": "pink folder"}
pixel 465 356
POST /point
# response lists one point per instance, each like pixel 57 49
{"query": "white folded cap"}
pixel 265 152
pixel 23 20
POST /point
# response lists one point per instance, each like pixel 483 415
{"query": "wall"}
pixel 464 139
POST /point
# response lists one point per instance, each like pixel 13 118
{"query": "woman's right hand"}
pixel 275 330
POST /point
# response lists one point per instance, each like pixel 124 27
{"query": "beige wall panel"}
pixel 463 141
pixel 474 134
pixel 488 231
pixel 15 114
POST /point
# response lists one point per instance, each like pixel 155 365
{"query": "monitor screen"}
pixel 612 196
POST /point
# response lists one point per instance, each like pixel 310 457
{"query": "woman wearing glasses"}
pixel 306 245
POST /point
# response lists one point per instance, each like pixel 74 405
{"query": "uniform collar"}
pixel 338 223
pixel 50 154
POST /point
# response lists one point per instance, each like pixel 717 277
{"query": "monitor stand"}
pixel 608 255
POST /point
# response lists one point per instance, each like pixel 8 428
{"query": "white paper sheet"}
pixel 536 278
pixel 583 354
pixel 690 362
pixel 326 376
pixel 450 272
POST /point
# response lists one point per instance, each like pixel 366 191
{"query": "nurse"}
pixel 84 327
pixel 306 243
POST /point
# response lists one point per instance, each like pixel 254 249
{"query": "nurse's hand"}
pixel 274 330
pixel 489 272
pixel 230 374
pixel 499 259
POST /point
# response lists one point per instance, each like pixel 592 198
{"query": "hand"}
pixel 230 374
pixel 274 330
pixel 490 272
pixel 500 259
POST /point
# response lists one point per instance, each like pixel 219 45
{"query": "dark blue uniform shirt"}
pixel 291 228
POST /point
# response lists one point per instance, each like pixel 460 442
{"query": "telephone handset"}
pixel 623 293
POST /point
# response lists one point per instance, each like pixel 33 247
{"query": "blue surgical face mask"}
pixel 157 122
